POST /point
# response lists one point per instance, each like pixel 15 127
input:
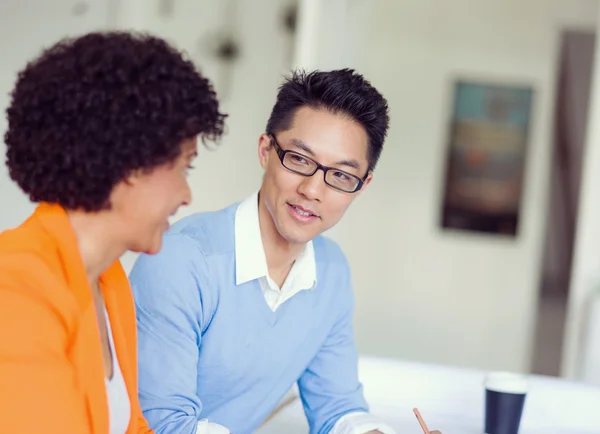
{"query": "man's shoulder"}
pixel 328 251
pixel 213 232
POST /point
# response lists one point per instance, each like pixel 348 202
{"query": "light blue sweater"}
pixel 211 349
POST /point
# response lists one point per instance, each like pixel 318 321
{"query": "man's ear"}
pixel 264 148
pixel 366 182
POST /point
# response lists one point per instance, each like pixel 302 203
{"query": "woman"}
pixel 102 132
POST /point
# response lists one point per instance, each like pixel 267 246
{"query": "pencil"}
pixel 421 421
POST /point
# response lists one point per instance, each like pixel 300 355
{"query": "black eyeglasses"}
pixel 305 166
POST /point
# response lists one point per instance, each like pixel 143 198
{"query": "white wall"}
pixel 27 26
pixel 422 293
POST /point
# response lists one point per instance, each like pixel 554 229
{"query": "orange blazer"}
pixel 51 369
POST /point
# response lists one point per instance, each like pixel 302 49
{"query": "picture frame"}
pixel 487 145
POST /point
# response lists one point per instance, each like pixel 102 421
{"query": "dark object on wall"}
pixel 485 165
pixel 166 8
pixel 227 49
pixel 80 8
pixel 290 18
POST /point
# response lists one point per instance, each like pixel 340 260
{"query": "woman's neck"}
pixel 99 247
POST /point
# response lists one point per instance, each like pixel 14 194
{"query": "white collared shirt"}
pixel 251 262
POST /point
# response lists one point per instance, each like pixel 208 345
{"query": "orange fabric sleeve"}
pixel 38 391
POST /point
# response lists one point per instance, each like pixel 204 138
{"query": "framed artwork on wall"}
pixel 486 151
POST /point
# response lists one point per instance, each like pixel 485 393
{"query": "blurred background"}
pixel 436 280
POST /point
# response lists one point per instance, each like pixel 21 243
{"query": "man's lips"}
pixel 303 211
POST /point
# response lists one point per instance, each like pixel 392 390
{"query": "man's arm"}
pixel 171 309
pixel 142 423
pixel 331 393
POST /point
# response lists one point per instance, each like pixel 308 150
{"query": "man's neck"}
pixel 279 253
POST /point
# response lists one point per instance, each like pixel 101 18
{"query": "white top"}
pixel 119 407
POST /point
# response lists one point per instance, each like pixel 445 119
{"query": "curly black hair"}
pixel 91 110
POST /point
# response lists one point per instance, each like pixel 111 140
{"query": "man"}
pixel 242 303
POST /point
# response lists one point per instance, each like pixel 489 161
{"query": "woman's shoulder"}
pixel 32 269
pixel 28 252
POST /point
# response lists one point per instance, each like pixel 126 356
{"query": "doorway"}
pixel 570 125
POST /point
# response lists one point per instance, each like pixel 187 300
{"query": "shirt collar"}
pixel 250 260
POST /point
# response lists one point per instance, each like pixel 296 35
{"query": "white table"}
pixel 452 400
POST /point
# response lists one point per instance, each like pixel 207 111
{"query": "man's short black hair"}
pixel 91 110
pixel 340 91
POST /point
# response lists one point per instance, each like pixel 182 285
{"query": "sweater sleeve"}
pixel 172 301
pixel 329 387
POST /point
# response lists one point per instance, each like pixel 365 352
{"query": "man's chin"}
pixel 294 237
pixel 295 233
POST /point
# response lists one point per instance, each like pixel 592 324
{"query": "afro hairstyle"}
pixel 91 110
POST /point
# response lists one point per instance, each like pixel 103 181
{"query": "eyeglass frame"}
pixel 282 152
